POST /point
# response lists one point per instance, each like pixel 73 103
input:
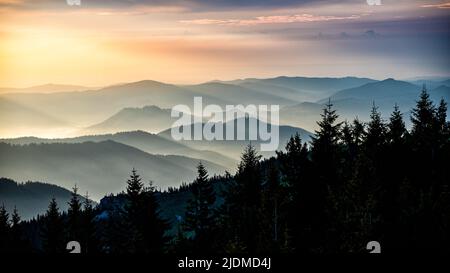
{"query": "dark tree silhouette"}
pixel 325 155
pixel 53 230
pixel 146 227
pixel 200 217
pixel 295 169
pixel 74 217
pixel 4 229
pixel 354 183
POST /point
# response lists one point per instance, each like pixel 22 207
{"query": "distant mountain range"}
pixel 147 142
pixel 32 198
pixel 302 88
pixel 148 118
pixel 357 102
pixel 234 148
pixel 84 109
pixel 100 167
pixel 384 94
pixel 116 128
pixel 46 88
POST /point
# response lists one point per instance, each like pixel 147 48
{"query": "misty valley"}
pixel 343 160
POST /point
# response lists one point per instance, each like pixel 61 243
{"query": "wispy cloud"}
pixel 198 5
pixel 274 19
pixel 439 6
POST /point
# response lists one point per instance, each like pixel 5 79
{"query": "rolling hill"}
pixel 102 107
pixel 148 118
pixel 234 148
pixel 302 89
pixel 45 88
pixel 225 93
pixel 100 167
pixel 32 198
pixel 147 142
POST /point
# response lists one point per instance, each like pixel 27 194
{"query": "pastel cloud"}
pixel 439 6
pixel 273 19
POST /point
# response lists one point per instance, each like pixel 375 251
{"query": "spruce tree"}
pixel 249 176
pixel 276 204
pixel 375 136
pixel 89 235
pixel 241 210
pixel 423 121
pixel 4 229
pixel 326 159
pixel 325 146
pixel 74 216
pixel 53 230
pixel 134 185
pixel 397 129
pixel 147 228
pixel 18 243
pixel 358 131
pixel 443 127
pixel 396 164
pixel 295 170
pixel 199 218
pixel 424 142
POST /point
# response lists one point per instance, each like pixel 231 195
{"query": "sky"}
pixel 189 41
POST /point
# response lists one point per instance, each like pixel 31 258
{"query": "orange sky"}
pixel 106 45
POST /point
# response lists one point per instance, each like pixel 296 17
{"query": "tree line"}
pixel 355 182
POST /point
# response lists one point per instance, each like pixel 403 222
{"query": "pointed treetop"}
pixel 134 184
pixel 202 173
pixel 249 158
pixel 15 218
pixel 4 217
pixel 53 210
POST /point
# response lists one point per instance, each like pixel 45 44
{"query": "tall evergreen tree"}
pixel 147 228
pixel 53 230
pixel 423 121
pixel 199 218
pixel 358 131
pixel 90 241
pixel 397 129
pixel 4 229
pixel 443 127
pixel 277 204
pixel 134 186
pixel 18 243
pixel 375 136
pixel 325 155
pixel 242 208
pixel 325 147
pixel 424 139
pixel 74 216
pixel 295 176
pixel 394 165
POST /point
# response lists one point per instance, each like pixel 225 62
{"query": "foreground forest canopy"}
pixel 353 183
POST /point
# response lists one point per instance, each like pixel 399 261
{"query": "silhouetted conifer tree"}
pixel 90 242
pixel 200 217
pixel 325 155
pixel 74 217
pixel 295 175
pixel 147 230
pixel 4 229
pixel 53 230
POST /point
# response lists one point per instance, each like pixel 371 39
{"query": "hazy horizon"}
pixel 195 41
pixel 435 78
